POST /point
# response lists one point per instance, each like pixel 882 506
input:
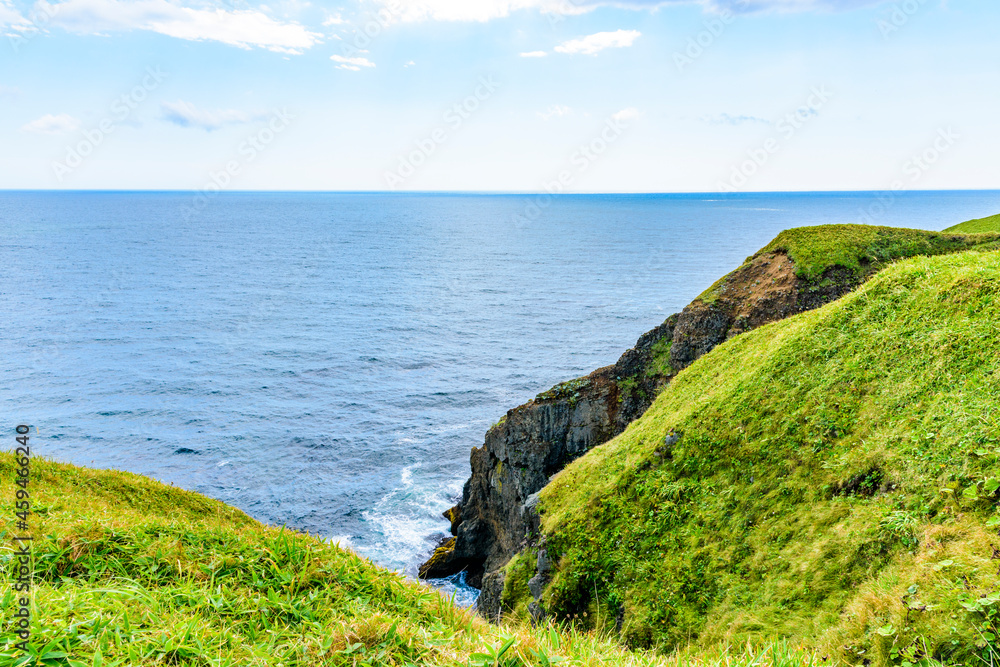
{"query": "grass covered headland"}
pixel 130 571
pixel 980 226
pixel 831 478
pixel 821 490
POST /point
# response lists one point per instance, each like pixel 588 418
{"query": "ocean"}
pixel 326 361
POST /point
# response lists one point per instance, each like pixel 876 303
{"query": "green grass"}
pixel 129 571
pixel 860 247
pixel 832 499
pixel 835 485
pixel 980 226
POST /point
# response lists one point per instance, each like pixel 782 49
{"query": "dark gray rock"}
pixel 488 603
pixel 544 565
pixel 530 503
pixel 533 442
pixel 536 585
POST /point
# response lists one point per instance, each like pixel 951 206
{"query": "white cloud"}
pixel 352 64
pixel 10 16
pixel 554 111
pixel 186 114
pixel 594 44
pixel 457 10
pixel 241 28
pixel 534 54
pixel 748 6
pixel 485 10
pixel 409 64
pixel 248 28
pixel 626 114
pixel 52 124
pixel 726 119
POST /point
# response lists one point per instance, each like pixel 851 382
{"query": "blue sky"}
pixel 508 95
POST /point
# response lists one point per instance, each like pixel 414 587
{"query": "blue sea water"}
pixel 327 361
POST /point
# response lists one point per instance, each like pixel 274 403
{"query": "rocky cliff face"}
pixel 534 441
pixel 537 439
pixel 765 289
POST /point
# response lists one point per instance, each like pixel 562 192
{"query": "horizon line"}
pixel 542 193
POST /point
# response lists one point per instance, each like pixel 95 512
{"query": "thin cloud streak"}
pixel 352 64
pixel 593 44
pixel 185 114
pixel 52 124
pixel 487 10
pixel 243 29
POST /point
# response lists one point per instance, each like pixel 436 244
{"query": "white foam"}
pixel 403 520
pixel 456 588
pixel 406 476
pixel 342 541
pixel 455 487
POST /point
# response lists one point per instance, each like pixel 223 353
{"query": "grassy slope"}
pixel 980 226
pixel 861 249
pixel 133 572
pixel 814 249
pixel 834 483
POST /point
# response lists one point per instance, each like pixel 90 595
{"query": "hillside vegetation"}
pixel 859 247
pixel 831 479
pixel 837 258
pixel 819 490
pixel 130 571
pixel 980 226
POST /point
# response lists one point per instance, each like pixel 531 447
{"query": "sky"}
pixel 500 95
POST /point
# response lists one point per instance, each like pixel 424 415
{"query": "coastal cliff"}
pixel 495 518
pixel 830 479
pixel 819 491
pixel 534 441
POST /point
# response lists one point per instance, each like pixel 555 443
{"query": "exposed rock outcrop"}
pixel 765 289
pixel 533 442
pixel 537 439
